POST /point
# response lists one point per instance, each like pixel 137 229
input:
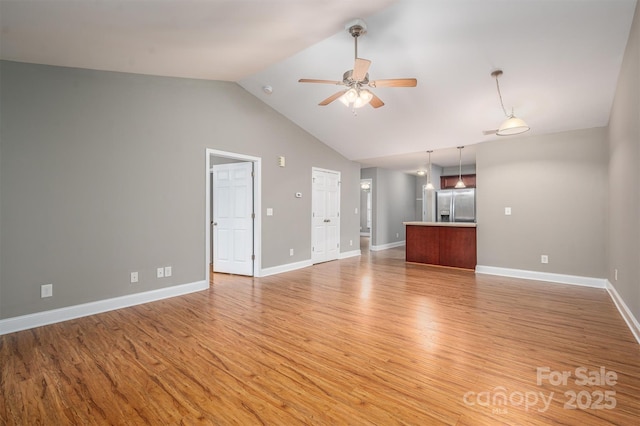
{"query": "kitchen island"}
pixel 441 243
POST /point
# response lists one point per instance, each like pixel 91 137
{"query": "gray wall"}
pixel 556 186
pixel 467 169
pixel 394 202
pixel 624 177
pixel 102 174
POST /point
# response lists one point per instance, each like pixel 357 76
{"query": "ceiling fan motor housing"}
pixel 347 79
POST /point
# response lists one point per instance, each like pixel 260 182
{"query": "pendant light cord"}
pixel 500 96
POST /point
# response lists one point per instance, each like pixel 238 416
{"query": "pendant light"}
pixel 460 183
pixel 512 125
pixel 429 184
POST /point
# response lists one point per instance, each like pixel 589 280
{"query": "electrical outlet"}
pixel 544 258
pixel 168 271
pixel 134 277
pixel 160 272
pixel 290 252
pixel 46 290
pixel 507 211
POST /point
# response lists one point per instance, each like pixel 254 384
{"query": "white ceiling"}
pixel 561 60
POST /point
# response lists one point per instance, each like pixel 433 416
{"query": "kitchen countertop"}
pixel 451 224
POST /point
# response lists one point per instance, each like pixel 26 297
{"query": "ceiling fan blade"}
pixel 313 80
pixel 360 69
pixel 332 98
pixel 489 132
pixel 376 102
pixel 395 82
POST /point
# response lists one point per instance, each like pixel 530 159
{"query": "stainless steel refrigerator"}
pixel 456 205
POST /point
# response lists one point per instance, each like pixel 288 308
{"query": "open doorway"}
pixel 366 212
pixel 233 222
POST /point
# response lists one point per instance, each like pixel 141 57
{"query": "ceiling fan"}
pixel 356 94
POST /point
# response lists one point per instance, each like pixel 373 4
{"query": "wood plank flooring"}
pixel 369 340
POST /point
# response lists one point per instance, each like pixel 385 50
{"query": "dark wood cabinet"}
pixel 458 247
pixel 442 245
pixel 423 244
pixel 449 182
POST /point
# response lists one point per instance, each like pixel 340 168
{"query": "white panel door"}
pixel 233 218
pixel 325 216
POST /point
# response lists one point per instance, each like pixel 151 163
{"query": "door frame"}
pixel 257 203
pixel 364 212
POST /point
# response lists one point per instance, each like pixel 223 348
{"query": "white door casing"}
pixel 233 218
pixel 325 219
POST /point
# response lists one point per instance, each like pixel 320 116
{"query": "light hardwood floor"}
pixel 368 340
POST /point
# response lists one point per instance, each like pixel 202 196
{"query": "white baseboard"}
pixel 38 319
pixel 625 312
pixel 387 246
pixel 542 276
pixel 303 264
pixel 265 272
pixel 347 254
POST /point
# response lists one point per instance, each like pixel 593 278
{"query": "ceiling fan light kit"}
pixel 356 95
pixel 512 125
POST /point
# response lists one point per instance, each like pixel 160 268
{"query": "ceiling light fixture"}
pixel 512 125
pixel 430 186
pixel 460 183
pixel 356 97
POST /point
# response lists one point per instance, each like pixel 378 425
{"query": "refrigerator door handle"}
pixel 453 207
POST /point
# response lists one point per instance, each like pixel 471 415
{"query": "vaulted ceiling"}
pixel 561 60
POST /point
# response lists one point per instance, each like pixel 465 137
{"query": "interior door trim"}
pixel 257 205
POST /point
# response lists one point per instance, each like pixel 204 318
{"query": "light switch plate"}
pixel 168 271
pixel 46 290
pixel 269 211
pixel 507 211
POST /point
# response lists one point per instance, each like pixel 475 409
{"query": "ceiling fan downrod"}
pixel 356 31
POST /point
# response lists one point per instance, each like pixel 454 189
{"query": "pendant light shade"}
pixel 460 184
pixel 512 125
pixel 429 186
